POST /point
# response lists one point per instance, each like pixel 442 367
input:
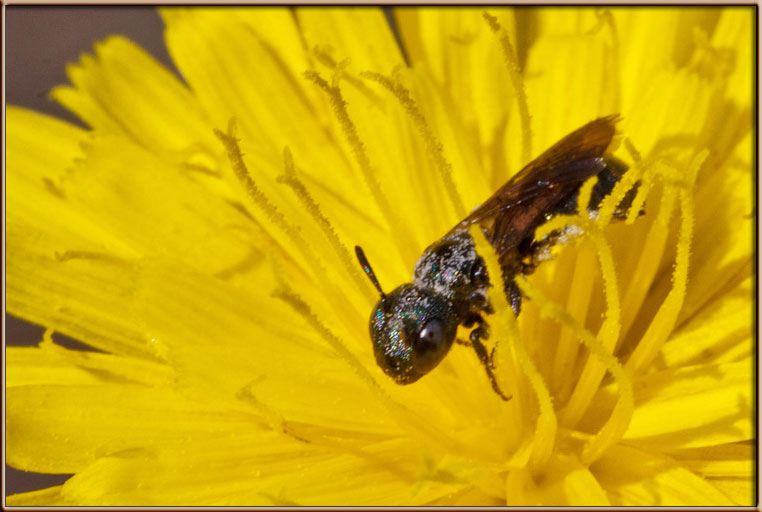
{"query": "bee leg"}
pixel 462 342
pixel 482 331
pixel 513 293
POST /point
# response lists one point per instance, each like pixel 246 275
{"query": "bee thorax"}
pixel 452 268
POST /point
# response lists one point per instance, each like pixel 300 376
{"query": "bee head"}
pixel 412 329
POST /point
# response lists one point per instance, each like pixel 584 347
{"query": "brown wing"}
pixel 520 205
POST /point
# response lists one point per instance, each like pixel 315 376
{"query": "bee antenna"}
pixel 368 271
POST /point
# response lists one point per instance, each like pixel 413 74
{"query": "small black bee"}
pixel 413 327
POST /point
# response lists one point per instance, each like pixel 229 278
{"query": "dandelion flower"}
pixel 197 236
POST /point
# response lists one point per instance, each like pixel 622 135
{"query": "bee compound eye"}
pixel 430 346
pixel 431 334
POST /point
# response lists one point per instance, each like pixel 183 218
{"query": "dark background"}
pixel 40 41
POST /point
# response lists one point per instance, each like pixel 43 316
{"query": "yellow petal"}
pixel 734 34
pixel 119 91
pixel 734 460
pixel 33 366
pixel 570 74
pixel 722 333
pixel 242 76
pixel 41 146
pixel 241 468
pixel 50 430
pixel 743 491
pixel 70 296
pixel 205 326
pixel 50 364
pixel 724 198
pixel 632 477
pixel 672 30
pixel 58 234
pixel 694 406
pixel 360 35
pixel 50 497
pixel 564 481
pixel 457 48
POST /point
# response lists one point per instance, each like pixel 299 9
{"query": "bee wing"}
pixel 519 206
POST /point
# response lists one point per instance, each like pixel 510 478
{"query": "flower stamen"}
pixel 608 334
pixel 547 424
pixel 322 56
pixel 313 209
pixel 434 148
pixel 666 317
pixel 258 198
pixel 514 71
pixel 230 142
pixel 649 259
pixel 612 200
pixel 401 229
pixel 273 419
pixel 577 304
pixel 620 417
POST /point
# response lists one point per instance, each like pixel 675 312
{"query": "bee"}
pixel 413 327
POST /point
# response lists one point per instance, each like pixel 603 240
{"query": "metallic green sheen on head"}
pixel 412 329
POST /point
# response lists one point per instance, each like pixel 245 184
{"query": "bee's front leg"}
pixel 482 332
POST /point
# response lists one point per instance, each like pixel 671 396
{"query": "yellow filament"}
pixel 557 223
pixel 273 419
pixel 322 277
pixel 293 300
pixel 644 188
pixel 322 56
pixel 648 261
pixel 611 201
pixel 257 197
pixel 608 334
pixel 514 71
pixel 547 425
pixel 639 201
pixel 434 147
pixel 585 192
pixel 666 317
pixel 620 417
pixel 401 229
pixel 244 264
pixel 577 304
pixel 313 208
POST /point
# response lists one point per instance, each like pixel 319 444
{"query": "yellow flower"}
pixel 209 264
